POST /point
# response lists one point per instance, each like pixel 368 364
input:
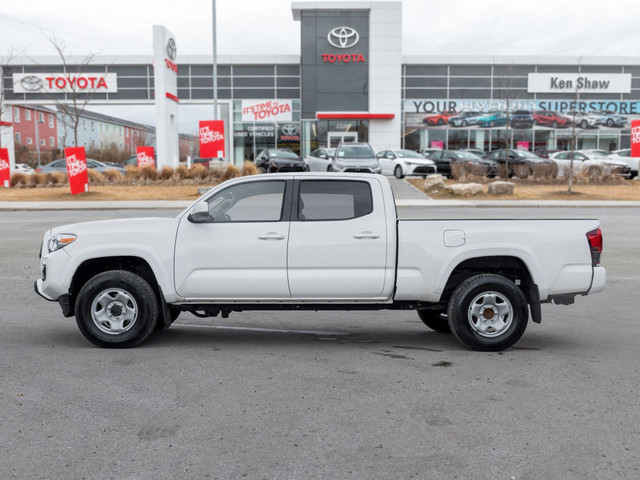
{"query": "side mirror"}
pixel 199 213
pixel 322 155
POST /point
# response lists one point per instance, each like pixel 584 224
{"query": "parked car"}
pixel 522 119
pixel 625 156
pixel 355 157
pixel 521 162
pixel 272 160
pixel 611 118
pixel 23 168
pixel 213 162
pixel 445 159
pixel 60 165
pixel 584 119
pixel 549 118
pixel 546 152
pixel 133 161
pixel 400 162
pixel 593 161
pixel 465 119
pixel 439 119
pixel 319 160
pixel 492 119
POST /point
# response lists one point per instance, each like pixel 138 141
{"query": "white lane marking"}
pixel 257 329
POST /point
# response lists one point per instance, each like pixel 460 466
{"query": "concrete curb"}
pixel 426 203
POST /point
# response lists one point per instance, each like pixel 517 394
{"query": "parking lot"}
pixel 296 395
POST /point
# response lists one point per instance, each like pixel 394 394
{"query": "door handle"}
pixel 271 236
pixel 366 235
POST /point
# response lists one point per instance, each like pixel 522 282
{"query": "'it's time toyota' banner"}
pixel 145 157
pixel 77 169
pixel 5 168
pixel 211 138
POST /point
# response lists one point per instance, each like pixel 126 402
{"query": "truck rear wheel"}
pixel 116 309
pixel 435 320
pixel 488 312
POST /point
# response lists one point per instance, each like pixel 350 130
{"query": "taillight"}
pixel 594 238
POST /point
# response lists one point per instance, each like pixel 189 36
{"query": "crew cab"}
pixel 308 241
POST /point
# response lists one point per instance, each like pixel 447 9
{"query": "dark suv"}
pixel 522 119
pixel 272 160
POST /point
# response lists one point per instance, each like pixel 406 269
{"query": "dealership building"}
pixel 351 82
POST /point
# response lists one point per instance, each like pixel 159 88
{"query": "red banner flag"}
pixel 77 169
pixel 635 138
pixel 5 168
pixel 145 157
pixel 212 138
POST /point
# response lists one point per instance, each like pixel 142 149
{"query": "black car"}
pixel 522 119
pixel 444 159
pixel 272 160
pixel 521 162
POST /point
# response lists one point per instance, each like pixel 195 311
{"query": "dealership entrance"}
pixel 335 138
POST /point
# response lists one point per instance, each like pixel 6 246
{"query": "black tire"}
pixel 610 122
pixel 397 172
pixel 584 124
pixel 492 124
pixel 116 309
pixel 435 320
pixel 554 124
pixel 465 123
pixel 488 313
pixel 440 122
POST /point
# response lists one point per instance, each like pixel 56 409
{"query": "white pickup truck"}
pixel 315 242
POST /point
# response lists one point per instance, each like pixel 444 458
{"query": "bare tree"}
pixel 75 100
pixel 508 94
pixel 4 64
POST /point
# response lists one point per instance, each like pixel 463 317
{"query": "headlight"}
pixel 60 240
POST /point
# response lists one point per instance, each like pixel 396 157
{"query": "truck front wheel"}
pixel 488 312
pixel 116 309
pixel 435 320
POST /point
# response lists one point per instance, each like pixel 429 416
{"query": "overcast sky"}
pixel 469 27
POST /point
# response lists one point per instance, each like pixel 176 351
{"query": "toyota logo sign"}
pixel 31 83
pixel 171 49
pixel 289 129
pixel 343 37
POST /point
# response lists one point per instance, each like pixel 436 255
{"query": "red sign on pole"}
pixel 635 138
pixel 145 157
pixel 77 169
pixel 5 168
pixel 212 138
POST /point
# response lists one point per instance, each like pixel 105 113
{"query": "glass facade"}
pixel 434 94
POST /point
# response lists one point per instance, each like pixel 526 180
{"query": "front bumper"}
pixel 421 170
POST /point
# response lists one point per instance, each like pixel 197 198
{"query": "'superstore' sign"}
pixel 65 83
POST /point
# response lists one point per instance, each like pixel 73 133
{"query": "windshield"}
pixel 283 154
pixel 356 151
pixel 526 153
pixel 466 155
pixel 408 154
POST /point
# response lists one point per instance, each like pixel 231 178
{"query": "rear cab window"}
pixel 324 200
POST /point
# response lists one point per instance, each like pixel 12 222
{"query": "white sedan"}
pixel 624 155
pixel 319 160
pixel 400 162
pixel 596 162
pixel 23 168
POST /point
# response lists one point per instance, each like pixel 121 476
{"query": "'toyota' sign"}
pixel 77 169
pixel 211 138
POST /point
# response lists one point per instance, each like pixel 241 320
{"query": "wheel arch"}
pixel 511 267
pixel 92 267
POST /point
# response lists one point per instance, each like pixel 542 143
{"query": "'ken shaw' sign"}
pixel 579 82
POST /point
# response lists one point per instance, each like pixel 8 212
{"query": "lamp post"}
pixel 38 122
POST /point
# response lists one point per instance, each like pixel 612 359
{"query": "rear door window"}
pixel 333 200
